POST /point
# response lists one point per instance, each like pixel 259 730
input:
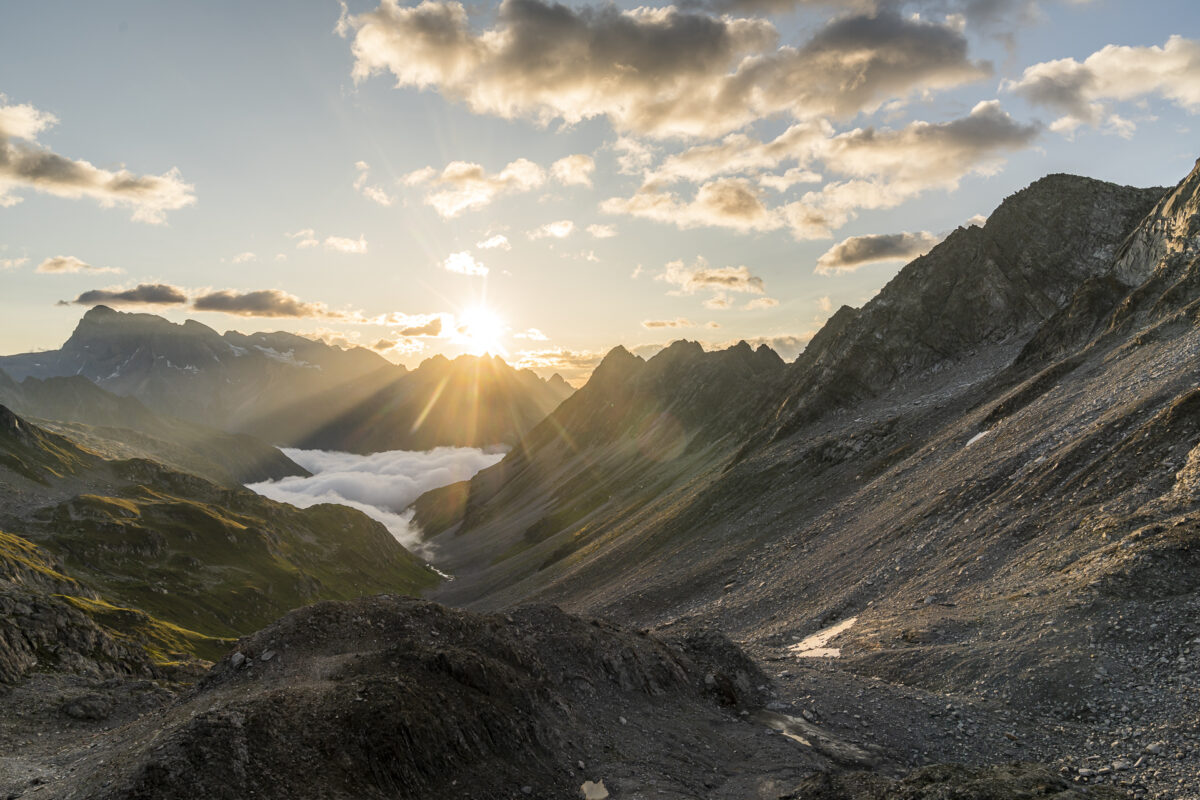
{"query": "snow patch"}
pixel 815 646
pixel 976 438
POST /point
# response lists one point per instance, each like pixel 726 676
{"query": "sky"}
pixel 545 181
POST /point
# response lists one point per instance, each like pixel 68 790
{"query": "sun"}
pixel 481 330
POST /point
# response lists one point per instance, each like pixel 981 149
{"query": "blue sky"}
pixel 257 109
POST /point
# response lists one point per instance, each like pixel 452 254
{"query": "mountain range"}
pixel 293 391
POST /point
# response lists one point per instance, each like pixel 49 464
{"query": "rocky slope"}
pixel 1004 508
pixel 122 427
pixel 637 429
pixel 294 391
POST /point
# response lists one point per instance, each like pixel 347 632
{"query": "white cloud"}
pixel 342 244
pixel 12 263
pixel 464 264
pixel 532 334
pixel 381 485
pixel 371 192
pixel 727 203
pixel 465 186
pixel 305 239
pixel 497 242
pixel 825 304
pixel 602 231
pixel 71 264
pixel 575 170
pixel 1084 91
pixel 243 258
pixel 25 164
pixel 678 322
pixel 760 303
pixel 560 229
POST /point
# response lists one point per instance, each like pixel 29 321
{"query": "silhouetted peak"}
pixel 767 357
pixel 618 364
pixel 99 312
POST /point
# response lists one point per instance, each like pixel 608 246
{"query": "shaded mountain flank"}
pixel 152 555
pixel 990 468
pixel 122 427
pixel 294 391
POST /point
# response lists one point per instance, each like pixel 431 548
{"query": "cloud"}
pixel 305 239
pixel 341 244
pixel 25 164
pixel 856 251
pixel 554 230
pixel 468 186
pixel 12 263
pixel 720 280
pixel 1083 91
pixel 878 168
pixel 739 153
pixel 726 203
pixel 430 327
pixel 70 264
pixel 923 155
pixel 573 170
pixel 342 339
pixel 825 304
pixel 464 264
pixel 157 294
pixel 261 303
pixel 979 220
pixel 678 322
pixel 760 303
pixel 602 231
pixel 371 192
pixel 574 365
pixel 243 258
pixel 532 334
pixel 654 71
pixel 633 155
pixel 497 242
pixel 381 485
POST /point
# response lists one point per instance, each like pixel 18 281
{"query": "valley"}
pixel 950 550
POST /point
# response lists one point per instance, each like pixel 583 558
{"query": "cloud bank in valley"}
pixel 381 485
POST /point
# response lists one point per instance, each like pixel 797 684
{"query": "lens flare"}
pixel 481 331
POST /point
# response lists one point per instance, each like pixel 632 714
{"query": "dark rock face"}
pixel 40 629
pixel 978 287
pixel 387 697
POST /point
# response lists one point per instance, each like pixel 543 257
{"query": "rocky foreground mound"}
pixel 389 697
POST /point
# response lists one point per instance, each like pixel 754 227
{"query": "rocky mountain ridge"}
pixel 122 427
pixel 294 391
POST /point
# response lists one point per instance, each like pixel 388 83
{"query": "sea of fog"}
pixel 381 485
